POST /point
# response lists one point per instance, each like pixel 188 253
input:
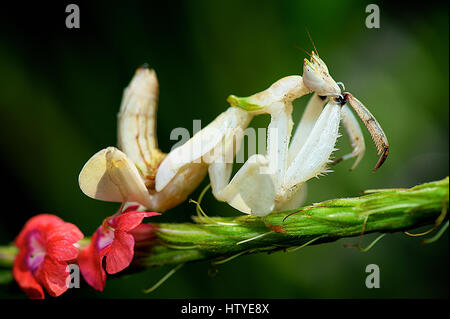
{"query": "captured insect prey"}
pixel 138 171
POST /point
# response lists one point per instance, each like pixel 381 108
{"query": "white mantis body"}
pixel 265 183
pixel 276 181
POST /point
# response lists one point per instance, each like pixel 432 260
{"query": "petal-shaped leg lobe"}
pixel 219 175
pixel 251 191
pixel 304 128
pixel 293 200
pixel 110 175
pixel 315 153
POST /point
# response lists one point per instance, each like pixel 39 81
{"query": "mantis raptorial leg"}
pixel 374 128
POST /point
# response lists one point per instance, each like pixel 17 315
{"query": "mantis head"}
pixel 317 78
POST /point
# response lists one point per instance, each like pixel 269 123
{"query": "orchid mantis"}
pixel 265 183
pixel 276 181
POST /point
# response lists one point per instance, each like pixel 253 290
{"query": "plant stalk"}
pixel 220 239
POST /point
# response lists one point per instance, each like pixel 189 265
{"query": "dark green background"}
pixel 60 91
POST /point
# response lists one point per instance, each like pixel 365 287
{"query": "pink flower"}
pixel 46 246
pixel 114 239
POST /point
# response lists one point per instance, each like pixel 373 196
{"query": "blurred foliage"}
pixel 61 89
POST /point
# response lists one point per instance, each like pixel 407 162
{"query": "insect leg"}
pixel 110 175
pixel 295 200
pixel 202 144
pixel 309 118
pixel 313 157
pixel 137 122
pixel 250 191
pixel 375 130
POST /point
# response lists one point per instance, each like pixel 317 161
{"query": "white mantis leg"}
pixel 305 126
pixel 137 119
pixel 312 112
pixel 219 175
pixel 249 191
pixel 180 187
pixel 276 101
pixel 203 145
pixel 267 172
pixel 310 161
pixel 294 201
pixel 356 137
pixel 220 169
pixel 129 175
pixel 236 192
pixel 278 136
pixel 313 157
pixel 110 175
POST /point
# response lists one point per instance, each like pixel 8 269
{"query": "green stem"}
pixel 219 239
pixel 7 254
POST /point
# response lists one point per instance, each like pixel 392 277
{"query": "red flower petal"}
pixel 90 262
pixel 53 275
pixel 25 278
pixel 41 221
pixel 60 240
pixel 65 231
pixel 115 243
pixel 131 208
pixel 52 240
pixel 121 252
pixel 62 250
pixel 129 220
